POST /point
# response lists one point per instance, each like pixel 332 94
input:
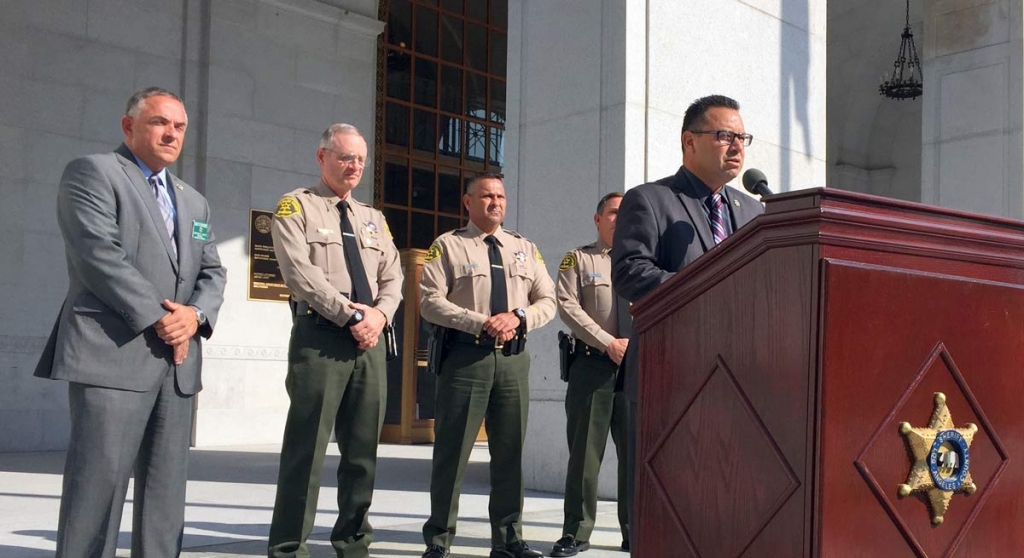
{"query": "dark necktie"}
pixel 360 286
pixel 163 199
pixel 717 218
pixel 499 290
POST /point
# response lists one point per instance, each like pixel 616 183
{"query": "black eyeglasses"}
pixel 725 137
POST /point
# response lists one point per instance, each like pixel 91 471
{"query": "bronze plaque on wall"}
pixel 265 282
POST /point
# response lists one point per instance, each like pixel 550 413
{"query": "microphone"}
pixel 756 182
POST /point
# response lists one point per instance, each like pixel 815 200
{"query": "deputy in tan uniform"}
pixel 486 284
pixel 587 304
pixel 338 259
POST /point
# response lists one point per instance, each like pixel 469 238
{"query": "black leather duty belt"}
pixel 485 341
pixel 582 348
pixel 302 308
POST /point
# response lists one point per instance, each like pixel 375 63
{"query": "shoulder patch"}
pixel 537 255
pixel 568 262
pixel 433 253
pixel 287 207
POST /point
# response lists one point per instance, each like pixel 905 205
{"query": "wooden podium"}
pixel 776 371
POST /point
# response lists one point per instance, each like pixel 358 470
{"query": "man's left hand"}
pixel 179 325
pixel 367 332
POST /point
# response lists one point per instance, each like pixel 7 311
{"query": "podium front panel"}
pixel 893 339
pixel 722 456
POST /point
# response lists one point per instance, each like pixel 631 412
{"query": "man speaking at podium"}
pixel 665 225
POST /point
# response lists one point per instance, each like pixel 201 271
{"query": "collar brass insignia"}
pixel 942 459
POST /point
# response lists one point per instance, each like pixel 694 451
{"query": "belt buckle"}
pixel 498 344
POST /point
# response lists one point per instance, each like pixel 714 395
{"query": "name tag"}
pixel 200 230
pixel 594 275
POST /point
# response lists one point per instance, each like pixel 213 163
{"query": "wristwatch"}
pixel 520 313
pixel 357 317
pixel 200 315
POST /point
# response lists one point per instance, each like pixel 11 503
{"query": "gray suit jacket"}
pixel 121 266
pixel 661 228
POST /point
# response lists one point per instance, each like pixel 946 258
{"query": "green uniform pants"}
pixel 592 408
pixel 331 384
pixel 476 383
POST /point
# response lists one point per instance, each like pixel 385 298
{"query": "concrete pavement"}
pixel 231 496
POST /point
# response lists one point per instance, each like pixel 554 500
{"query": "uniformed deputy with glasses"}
pixel 338 260
pixel 490 288
pixel 665 225
pixel 587 304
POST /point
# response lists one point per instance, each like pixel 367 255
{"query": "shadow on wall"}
pixel 795 57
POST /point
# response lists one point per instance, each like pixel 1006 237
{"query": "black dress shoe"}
pixel 625 546
pixel 569 546
pixel 435 551
pixel 517 549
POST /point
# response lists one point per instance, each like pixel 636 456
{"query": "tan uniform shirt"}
pixel 455 286
pixel 586 302
pixel 308 245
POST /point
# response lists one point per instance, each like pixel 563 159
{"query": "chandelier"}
pixel 906 71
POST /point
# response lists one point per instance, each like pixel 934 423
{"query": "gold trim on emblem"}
pixel 939 464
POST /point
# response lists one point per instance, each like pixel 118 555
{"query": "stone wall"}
pixel 599 89
pixel 261 79
pixel 973 106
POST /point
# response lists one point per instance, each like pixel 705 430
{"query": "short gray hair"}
pixel 134 106
pixel 334 130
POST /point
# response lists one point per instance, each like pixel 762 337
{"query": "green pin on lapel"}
pixel 200 230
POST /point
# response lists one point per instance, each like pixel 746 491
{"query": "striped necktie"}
pixel 163 199
pixel 717 218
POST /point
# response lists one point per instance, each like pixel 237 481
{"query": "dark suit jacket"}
pixel 661 228
pixel 121 265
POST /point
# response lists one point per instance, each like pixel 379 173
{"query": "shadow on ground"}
pixel 249 467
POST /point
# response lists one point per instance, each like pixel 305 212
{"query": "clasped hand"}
pixel 177 327
pixel 367 332
pixel 502 326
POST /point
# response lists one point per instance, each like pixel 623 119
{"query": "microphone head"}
pixel 752 178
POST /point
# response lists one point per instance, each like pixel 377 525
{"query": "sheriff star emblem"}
pixel 942 459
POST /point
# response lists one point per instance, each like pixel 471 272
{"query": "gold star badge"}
pixel 942 459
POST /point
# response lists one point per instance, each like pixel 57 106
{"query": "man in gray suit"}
pixel 665 225
pixel 145 282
